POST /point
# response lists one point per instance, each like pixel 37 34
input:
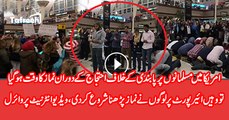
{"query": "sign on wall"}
pixel 61 26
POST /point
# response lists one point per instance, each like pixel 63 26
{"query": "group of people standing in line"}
pixel 137 47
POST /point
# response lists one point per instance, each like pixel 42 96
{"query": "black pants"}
pixel 107 51
pixel 116 56
pixel 97 59
pixel 85 50
pixel 136 57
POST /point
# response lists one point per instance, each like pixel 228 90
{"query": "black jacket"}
pixel 5 64
pixel 28 62
pixel 14 55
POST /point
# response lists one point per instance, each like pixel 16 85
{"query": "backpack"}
pixel 43 61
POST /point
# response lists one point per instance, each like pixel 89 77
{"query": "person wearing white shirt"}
pixel 189 32
pixel 148 39
pixel 207 28
pixel 214 56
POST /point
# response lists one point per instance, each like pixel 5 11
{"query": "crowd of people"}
pixel 36 54
pixel 202 44
pixel 176 27
pixel 104 42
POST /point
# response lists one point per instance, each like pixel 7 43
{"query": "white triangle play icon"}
pixel 117 64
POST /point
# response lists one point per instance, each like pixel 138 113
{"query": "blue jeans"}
pixel 147 54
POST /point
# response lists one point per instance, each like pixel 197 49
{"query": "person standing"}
pixel 5 61
pixel 148 39
pixel 107 45
pixel 14 54
pixel 207 28
pixel 97 43
pixel 188 28
pixel 126 46
pixel 116 40
pixel 28 58
pixel 85 47
pixel 176 28
pixel 50 54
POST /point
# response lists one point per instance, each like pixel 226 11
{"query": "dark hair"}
pixel 2 44
pixel 146 25
pixel 127 27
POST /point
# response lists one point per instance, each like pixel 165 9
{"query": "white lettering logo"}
pixel 33 19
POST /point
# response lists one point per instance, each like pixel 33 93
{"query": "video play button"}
pixel 117 64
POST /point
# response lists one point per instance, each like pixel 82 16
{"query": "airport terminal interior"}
pixel 67 36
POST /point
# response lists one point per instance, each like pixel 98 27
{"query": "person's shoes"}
pixel 179 65
pixel 226 75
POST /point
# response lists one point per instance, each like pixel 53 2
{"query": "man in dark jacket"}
pixel 5 64
pixel 108 45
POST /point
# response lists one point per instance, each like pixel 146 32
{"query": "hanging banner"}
pixel 106 15
pixel 1 18
pixel 188 9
